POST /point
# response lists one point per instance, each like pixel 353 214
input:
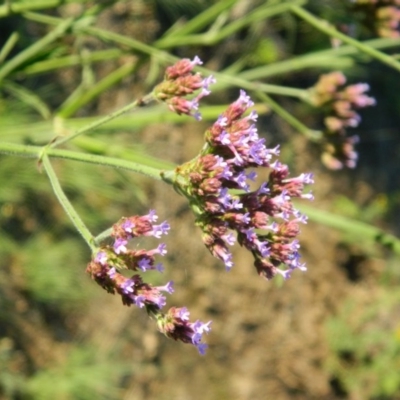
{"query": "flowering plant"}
pixel 222 183
pixel 217 185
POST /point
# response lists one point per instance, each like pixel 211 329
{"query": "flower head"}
pixel 108 262
pixel 340 104
pixel 218 184
pixel 176 325
pixel 380 17
pixel 180 82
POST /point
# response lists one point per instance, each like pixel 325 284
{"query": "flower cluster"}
pixel 339 103
pixel 380 16
pixel 107 263
pixel 180 82
pixel 218 186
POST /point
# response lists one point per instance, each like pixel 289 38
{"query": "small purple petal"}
pixel 144 264
pixel 120 246
pixel 101 258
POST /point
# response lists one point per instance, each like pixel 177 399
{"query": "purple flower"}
pixel 168 287
pixel 144 264
pixel 101 257
pixel 180 81
pixel 232 147
pixel 120 246
pixel 159 230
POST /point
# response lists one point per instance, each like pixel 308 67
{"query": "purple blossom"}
pixel 101 257
pixel 120 245
pixel 128 226
pixel 159 230
pixel 152 216
pixel 232 147
pixel 183 314
pixel 168 287
pixel 144 264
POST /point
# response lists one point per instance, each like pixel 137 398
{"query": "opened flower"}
pixel 109 261
pixel 218 184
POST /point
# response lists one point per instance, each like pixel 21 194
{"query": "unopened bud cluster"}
pixel 109 261
pixel 339 103
pixel 380 16
pixel 218 185
pixel 179 83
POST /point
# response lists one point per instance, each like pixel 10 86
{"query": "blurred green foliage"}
pixel 365 343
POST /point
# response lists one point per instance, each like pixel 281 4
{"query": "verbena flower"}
pixel 179 83
pixel 339 103
pixel 218 183
pixel 380 17
pixel 107 264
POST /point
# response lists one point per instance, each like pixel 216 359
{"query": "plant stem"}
pixel 211 38
pixel 40 67
pixel 288 117
pixel 101 121
pixel 8 46
pixel 356 229
pixel 39 152
pixel 331 58
pixel 323 26
pixel 17 8
pixel 35 48
pixel 103 236
pixel 229 80
pixel 200 21
pixel 68 207
pixel 117 75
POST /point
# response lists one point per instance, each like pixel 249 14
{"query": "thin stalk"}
pixel 356 229
pixel 66 204
pixel 200 21
pixel 225 80
pixel 102 236
pixel 211 38
pixel 35 48
pixel 294 122
pixel 40 152
pixel 101 86
pixel 326 59
pixel 70 61
pixel 28 97
pixel 102 121
pixel 16 8
pixel 323 26
pixel 164 56
pixel 8 46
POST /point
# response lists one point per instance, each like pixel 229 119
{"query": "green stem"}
pixel 200 21
pixel 68 207
pixel 17 8
pixel 40 67
pixel 103 236
pixel 332 59
pixel 35 48
pixel 213 37
pixel 8 46
pixel 225 80
pixel 323 26
pixel 294 122
pixel 28 97
pixel 69 109
pixel 102 121
pixel 356 229
pixel 229 80
pixel 38 152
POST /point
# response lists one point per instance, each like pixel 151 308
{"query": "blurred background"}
pixel 330 333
